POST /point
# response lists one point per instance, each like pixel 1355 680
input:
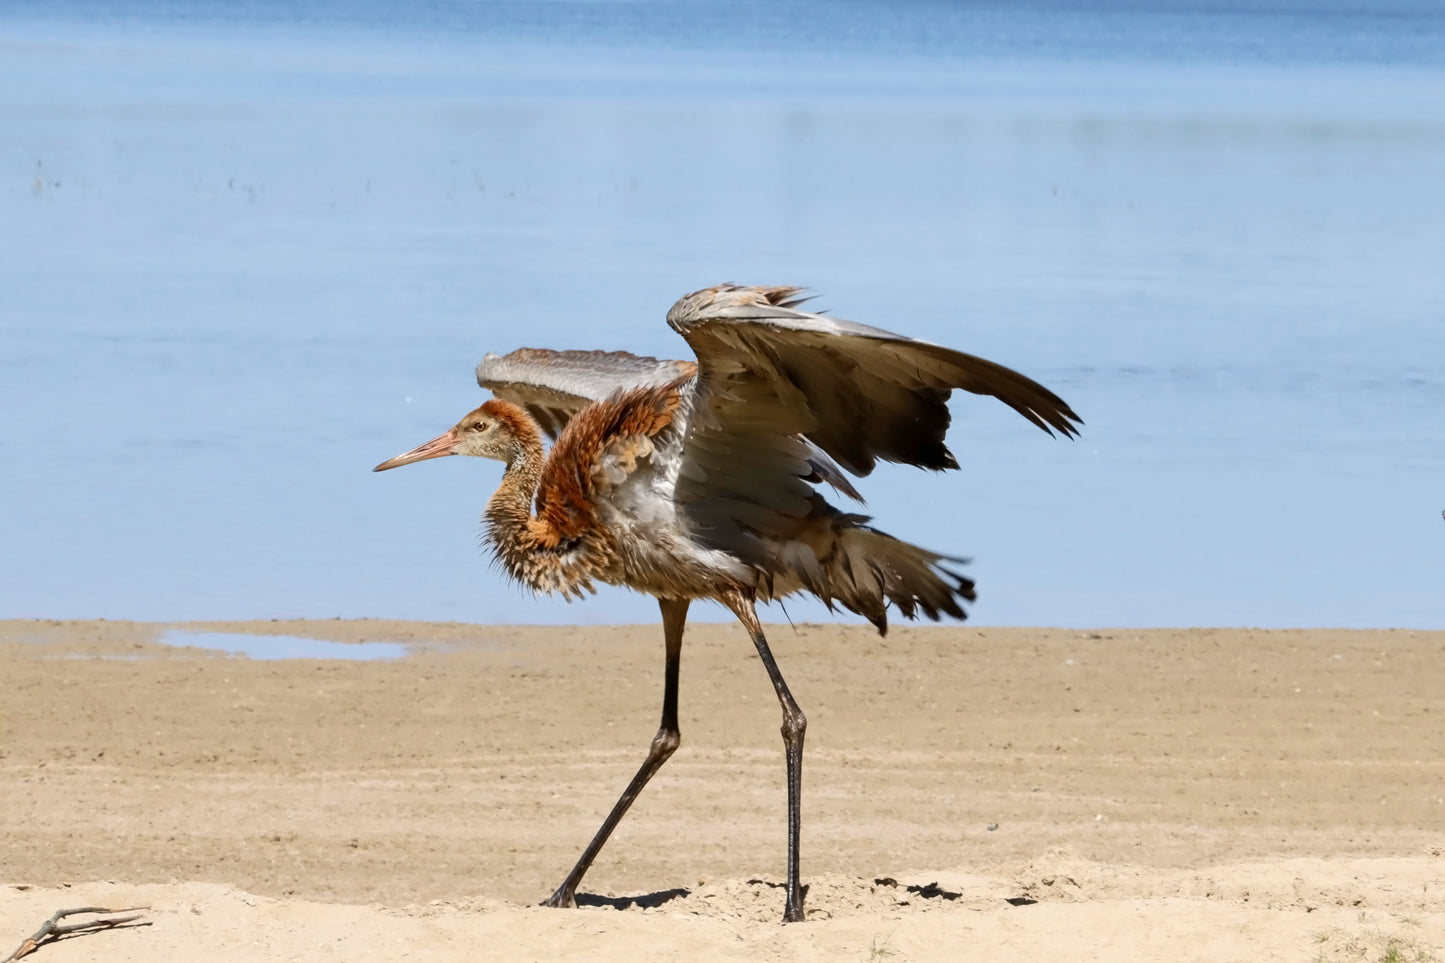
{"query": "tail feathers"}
pixel 867 569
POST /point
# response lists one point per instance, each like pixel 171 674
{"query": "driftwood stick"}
pixel 53 929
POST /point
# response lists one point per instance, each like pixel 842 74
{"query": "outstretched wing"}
pixel 552 386
pixel 773 379
pixel 860 393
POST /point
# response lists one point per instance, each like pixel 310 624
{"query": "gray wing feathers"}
pixel 552 386
pixel 827 470
pixel 858 392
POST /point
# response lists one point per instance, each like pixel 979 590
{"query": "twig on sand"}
pixel 52 930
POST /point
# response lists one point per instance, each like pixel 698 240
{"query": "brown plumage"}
pixel 697 481
pixel 619 427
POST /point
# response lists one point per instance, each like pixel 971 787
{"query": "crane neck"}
pixel 526 545
pixel 556 547
pixel 509 511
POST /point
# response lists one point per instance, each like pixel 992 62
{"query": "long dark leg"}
pixel 795 724
pixel 664 744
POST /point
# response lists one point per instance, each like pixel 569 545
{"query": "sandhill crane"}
pixel 697 480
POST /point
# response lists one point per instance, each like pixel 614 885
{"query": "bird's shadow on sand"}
pixel 645 901
pixel 654 900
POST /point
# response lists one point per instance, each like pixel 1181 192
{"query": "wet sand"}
pixel 1165 794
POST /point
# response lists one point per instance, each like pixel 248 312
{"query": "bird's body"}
pixel 604 508
pixel 700 481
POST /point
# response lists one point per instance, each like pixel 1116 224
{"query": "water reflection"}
pixel 270 647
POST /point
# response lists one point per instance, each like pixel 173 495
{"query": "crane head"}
pixel 486 433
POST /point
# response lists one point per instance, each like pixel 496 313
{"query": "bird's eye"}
pixel 482 426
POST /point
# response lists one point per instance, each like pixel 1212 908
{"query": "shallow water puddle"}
pixel 283 646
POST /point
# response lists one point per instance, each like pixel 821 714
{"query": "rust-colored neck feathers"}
pixel 510 525
pixel 564 545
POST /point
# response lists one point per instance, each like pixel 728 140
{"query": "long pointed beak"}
pixel 436 448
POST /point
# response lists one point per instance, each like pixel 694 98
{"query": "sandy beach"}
pixel 1171 794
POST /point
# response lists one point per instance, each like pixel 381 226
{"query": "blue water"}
pixel 272 647
pixel 247 251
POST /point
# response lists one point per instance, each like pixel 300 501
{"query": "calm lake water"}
pixel 249 251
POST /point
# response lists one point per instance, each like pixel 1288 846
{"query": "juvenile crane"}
pixel 699 480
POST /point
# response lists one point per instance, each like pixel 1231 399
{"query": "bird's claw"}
pixel 561 900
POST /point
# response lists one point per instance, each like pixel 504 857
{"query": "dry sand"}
pixel 1000 794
